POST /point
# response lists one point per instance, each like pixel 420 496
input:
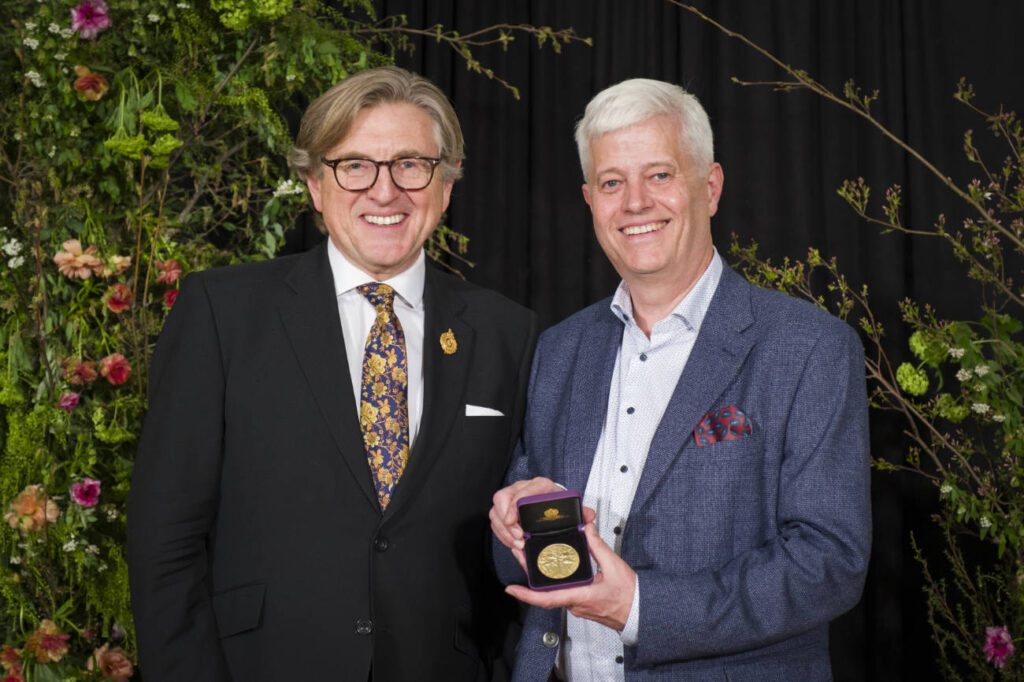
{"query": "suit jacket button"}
pixel 381 544
pixel 550 640
pixel 364 627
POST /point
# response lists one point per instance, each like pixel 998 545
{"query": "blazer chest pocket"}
pixel 239 609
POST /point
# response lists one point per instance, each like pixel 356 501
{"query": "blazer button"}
pixel 550 640
pixel 381 544
pixel 364 627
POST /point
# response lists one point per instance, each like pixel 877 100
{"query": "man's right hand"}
pixel 504 514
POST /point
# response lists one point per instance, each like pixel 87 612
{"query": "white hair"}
pixel 639 99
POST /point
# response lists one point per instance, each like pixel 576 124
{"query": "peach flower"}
pixel 170 271
pixel 114 664
pixel 74 262
pixel 115 368
pixel 79 373
pixel 31 510
pixel 48 644
pixel 91 86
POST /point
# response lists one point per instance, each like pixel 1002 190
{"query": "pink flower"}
pixel 114 265
pixel 998 645
pixel 68 401
pixel 115 368
pixel 91 86
pixel 31 510
pixel 170 271
pixel 48 644
pixel 86 493
pixel 79 373
pixel 10 659
pixel 74 262
pixel 90 18
pixel 118 298
pixel 114 663
pixel 170 296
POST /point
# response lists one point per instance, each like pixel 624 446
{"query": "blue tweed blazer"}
pixel 744 549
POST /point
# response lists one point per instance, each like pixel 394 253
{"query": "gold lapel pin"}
pixel 448 343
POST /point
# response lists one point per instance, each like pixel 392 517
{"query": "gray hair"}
pixel 329 118
pixel 639 99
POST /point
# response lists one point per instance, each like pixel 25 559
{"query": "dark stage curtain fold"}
pixel 784 155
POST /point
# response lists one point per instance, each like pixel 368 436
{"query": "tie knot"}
pixel 378 295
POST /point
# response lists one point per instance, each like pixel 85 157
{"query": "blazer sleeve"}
pixel 173 499
pixel 814 568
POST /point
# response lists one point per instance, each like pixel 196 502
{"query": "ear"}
pixel 716 179
pixel 586 194
pixel 313 183
pixel 448 189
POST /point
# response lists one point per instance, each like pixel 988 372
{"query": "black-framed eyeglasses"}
pixel 407 172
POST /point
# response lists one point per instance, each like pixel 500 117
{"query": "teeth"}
pixel 642 229
pixel 384 219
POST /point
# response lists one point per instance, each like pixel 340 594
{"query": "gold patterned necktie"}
pixel 384 395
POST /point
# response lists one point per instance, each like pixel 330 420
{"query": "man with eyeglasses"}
pixel 326 430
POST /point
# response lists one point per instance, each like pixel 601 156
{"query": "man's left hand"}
pixel 607 600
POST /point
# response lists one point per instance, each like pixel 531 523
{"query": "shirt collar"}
pixel 408 284
pixel 691 310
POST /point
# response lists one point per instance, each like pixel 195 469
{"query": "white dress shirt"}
pixel 645 376
pixel 357 316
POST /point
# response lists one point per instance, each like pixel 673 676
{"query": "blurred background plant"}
pixel 139 140
pixel 958 386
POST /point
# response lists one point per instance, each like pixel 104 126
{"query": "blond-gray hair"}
pixel 329 118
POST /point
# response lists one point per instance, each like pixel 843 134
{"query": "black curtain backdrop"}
pixel 784 155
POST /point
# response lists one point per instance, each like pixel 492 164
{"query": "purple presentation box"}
pixel 556 548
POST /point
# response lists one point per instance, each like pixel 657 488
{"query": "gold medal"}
pixel 558 561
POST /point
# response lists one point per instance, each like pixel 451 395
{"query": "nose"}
pixel 384 190
pixel 637 197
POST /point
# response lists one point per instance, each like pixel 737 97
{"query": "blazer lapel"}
pixel 310 317
pixel 714 362
pixel 588 405
pixel 444 382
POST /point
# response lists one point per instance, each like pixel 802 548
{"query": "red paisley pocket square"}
pixel 726 423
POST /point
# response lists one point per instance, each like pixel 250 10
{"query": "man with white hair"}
pixel 718 431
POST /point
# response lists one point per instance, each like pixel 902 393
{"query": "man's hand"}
pixel 607 600
pixel 504 514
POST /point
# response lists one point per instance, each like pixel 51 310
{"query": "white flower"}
pixel 111 514
pixel 290 77
pixel 956 353
pixel 981 370
pixel 53 28
pixel 945 489
pixel 52 152
pixel 36 79
pixel 30 43
pixel 102 567
pixel 70 545
pixel 984 522
pixel 963 374
pixel 17 136
pixel 66 33
pixel 60 56
pixel 12 247
pixel 980 408
pixel 92 549
pixel 155 18
pixel 999 418
pixel 16 262
pixel 30 25
pixel 182 5
pixel 289 187
pixel 15 560
pixel 74 132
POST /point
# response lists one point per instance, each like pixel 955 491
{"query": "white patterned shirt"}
pixel 645 376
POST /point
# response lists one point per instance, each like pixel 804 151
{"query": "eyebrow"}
pixel 400 154
pixel 645 167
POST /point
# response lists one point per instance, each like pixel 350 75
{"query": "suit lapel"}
pixel 444 382
pixel 714 362
pixel 310 317
pixel 588 408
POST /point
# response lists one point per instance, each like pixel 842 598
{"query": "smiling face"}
pixel 381 230
pixel 652 207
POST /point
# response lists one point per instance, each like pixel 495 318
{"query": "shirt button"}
pixel 617 530
pixel 364 627
pixel 381 544
pixel 643 357
pixel 618 659
pixel 550 640
pixel 623 468
pixel 630 410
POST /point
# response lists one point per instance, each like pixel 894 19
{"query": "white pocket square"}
pixel 478 411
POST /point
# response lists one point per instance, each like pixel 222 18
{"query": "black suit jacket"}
pixel 256 546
